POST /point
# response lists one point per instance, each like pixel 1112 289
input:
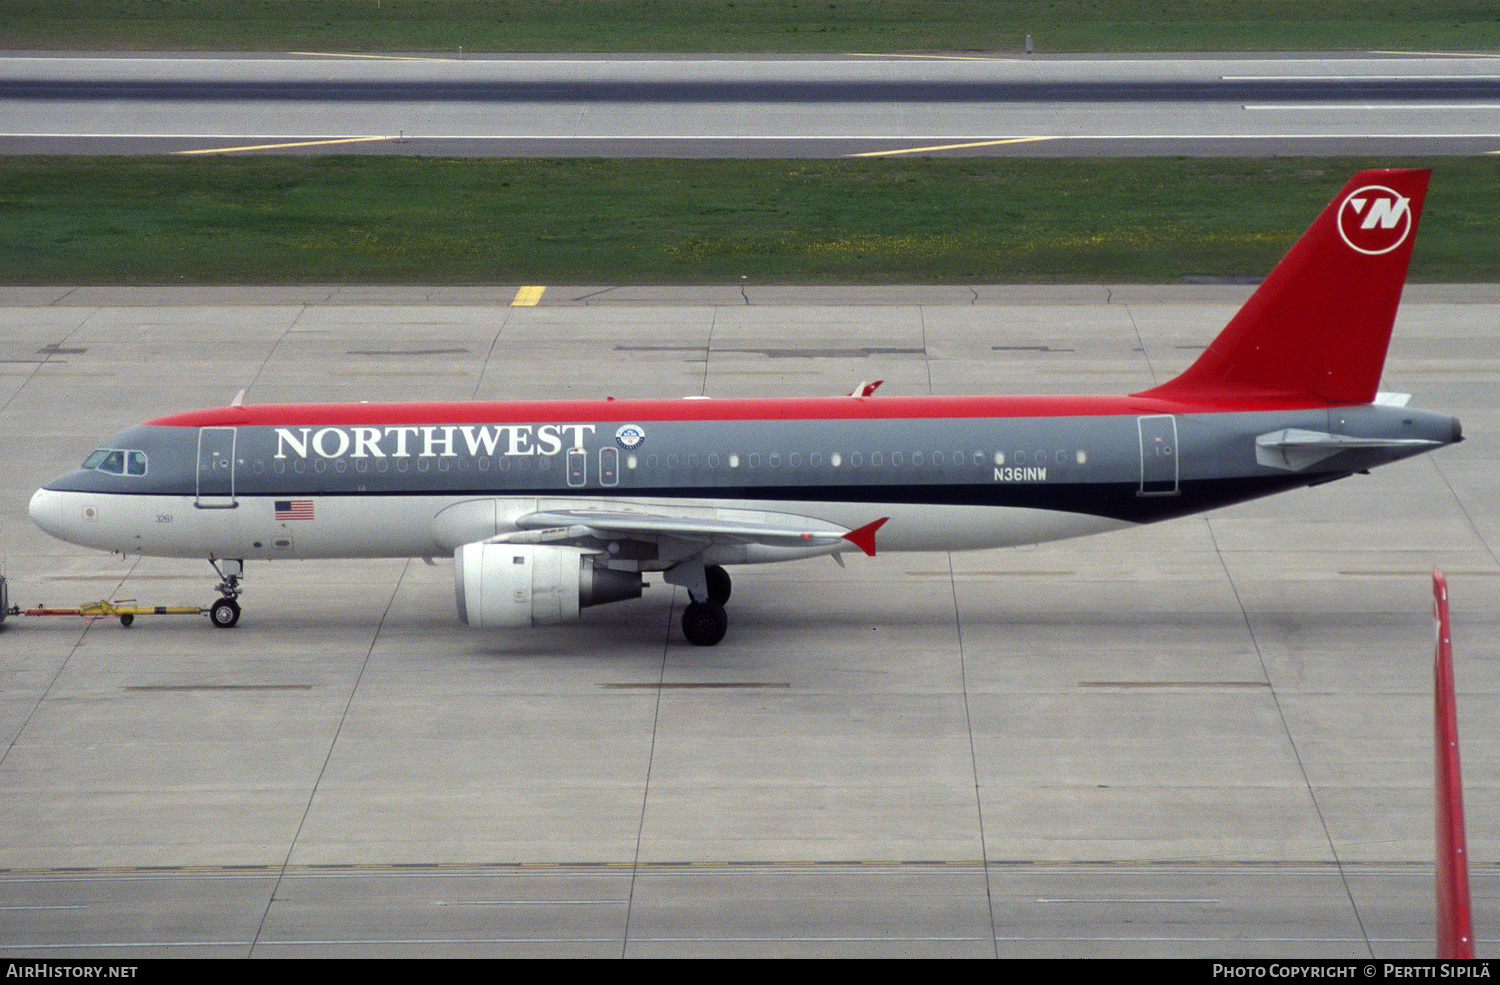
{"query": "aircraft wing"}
pixel 583 525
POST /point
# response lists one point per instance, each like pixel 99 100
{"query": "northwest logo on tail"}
pixel 1374 220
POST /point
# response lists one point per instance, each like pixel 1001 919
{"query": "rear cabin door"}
pixel 1159 458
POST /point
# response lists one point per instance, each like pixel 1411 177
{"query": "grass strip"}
pixel 377 219
pixel 749 25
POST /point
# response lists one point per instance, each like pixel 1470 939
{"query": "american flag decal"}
pixel 294 509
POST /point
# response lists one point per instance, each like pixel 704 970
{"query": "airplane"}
pixel 548 507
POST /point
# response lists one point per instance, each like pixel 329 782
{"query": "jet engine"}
pixel 533 585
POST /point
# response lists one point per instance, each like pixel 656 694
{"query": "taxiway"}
pixel 714 106
pixel 1210 737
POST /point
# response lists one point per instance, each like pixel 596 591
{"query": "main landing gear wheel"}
pixel 704 623
pixel 225 613
pixel 718 583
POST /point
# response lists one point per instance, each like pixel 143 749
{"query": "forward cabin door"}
pixel 216 469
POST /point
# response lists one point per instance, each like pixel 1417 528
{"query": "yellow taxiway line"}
pixel 527 297
pixel 923 150
pixel 379 58
pixel 940 58
pixel 301 143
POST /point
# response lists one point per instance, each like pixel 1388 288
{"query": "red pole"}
pixel 1455 930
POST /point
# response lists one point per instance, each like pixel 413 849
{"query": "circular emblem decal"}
pixel 630 436
pixel 1375 220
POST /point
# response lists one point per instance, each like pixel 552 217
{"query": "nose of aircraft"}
pixel 46 511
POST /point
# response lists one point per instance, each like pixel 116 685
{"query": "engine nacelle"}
pixel 532 584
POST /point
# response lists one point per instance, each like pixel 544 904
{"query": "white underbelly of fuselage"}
pixel 403 526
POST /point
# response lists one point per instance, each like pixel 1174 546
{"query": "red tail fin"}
pixel 1455 931
pixel 1319 325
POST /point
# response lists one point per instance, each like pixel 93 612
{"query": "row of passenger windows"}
pixel 609 462
pixel 117 461
pixel 874 459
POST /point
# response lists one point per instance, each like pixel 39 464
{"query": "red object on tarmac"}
pixel 1455 929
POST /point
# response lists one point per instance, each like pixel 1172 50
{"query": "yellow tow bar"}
pixel 123 609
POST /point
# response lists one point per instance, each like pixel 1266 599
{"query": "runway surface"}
pixel 1210 737
pixel 674 106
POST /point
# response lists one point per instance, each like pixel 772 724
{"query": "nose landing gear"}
pixel 226 611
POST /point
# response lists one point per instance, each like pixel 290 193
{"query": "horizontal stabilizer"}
pixel 1295 449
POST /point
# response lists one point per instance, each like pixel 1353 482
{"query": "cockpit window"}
pixel 117 461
